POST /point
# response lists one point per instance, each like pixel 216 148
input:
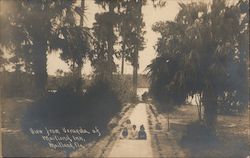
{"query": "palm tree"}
pixel 199 53
pixel 75 43
pixel 42 26
pixel 31 25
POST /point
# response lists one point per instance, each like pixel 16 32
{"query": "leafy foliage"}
pixel 17 84
pixel 131 29
pixel 33 28
pixel 201 51
pixel 102 58
pixel 102 100
pixel 28 28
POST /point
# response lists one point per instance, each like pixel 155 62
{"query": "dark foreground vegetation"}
pixel 66 108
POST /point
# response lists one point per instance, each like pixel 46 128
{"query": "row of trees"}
pixel 122 24
pixel 203 51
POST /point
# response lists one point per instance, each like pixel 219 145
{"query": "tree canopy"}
pixel 30 29
pixel 204 50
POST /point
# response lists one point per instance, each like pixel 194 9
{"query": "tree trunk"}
pixel 82 8
pixel 135 60
pixel 110 44
pixel 123 58
pixel 135 73
pixel 124 37
pixel 110 59
pixel 198 102
pixel 210 109
pixel 78 79
pixel 78 73
pixel 40 66
pixel 168 121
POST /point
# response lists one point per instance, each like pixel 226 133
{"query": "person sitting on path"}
pixel 129 127
pixel 134 133
pixel 142 134
pixel 124 133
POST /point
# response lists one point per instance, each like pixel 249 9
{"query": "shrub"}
pixel 17 84
pixel 64 108
pixel 106 97
pixel 102 100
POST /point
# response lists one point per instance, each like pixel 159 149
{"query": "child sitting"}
pixel 134 133
pixel 124 133
pixel 142 134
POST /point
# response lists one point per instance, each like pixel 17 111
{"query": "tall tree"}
pixel 74 41
pixel 30 27
pixel 138 44
pixel 34 28
pixel 104 32
pixel 202 52
pixel 128 15
pixel 131 31
pixel 79 82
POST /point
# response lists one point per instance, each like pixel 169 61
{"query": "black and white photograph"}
pixel 124 78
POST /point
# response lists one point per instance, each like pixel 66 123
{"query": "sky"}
pixel 150 15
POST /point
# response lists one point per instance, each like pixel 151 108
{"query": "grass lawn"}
pixel 231 134
pixel 15 142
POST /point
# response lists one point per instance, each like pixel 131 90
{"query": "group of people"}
pixel 130 131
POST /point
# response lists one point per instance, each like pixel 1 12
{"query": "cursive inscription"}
pixel 65 138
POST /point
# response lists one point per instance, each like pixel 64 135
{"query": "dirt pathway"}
pixel 134 148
